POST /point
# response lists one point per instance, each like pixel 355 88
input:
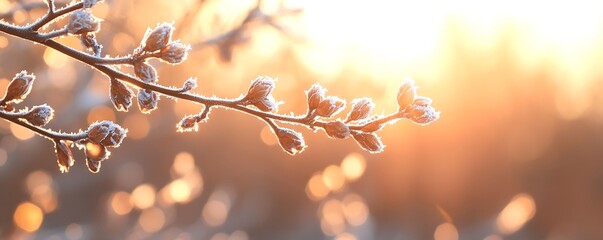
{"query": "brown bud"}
pixel 93 166
pixel 422 113
pixel 96 152
pixel 330 106
pixel 189 123
pixel 267 104
pixel 406 93
pixel 369 142
pixel 121 95
pixel 260 88
pixel 189 84
pixel 315 95
pixel 145 72
pixel 292 142
pixel 64 156
pixel 106 133
pixel 39 115
pixel 174 52
pixel 82 21
pixel 18 88
pixel 147 100
pixel 361 109
pixel 158 38
pixel 337 129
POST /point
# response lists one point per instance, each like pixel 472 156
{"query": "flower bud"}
pixel 96 152
pixel 315 95
pixel 121 95
pixel 174 52
pixel 422 115
pixel 189 84
pixel 145 72
pixel 82 21
pixel 90 3
pixel 93 166
pixel 260 88
pixel 292 142
pixel 406 93
pixel 106 133
pixel 337 129
pixel 369 142
pixel 147 100
pixel 267 104
pixel 18 88
pixel 330 106
pixel 189 123
pixel 39 115
pixel 64 156
pixel 158 38
pixel 361 109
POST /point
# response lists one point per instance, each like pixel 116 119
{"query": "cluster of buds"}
pixel 96 139
pixel 159 40
pixel 99 137
pixel 157 43
pixel 418 108
pixel 259 94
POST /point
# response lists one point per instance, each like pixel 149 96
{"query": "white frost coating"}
pixel 82 21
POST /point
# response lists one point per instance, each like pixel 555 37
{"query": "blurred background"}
pixel 517 153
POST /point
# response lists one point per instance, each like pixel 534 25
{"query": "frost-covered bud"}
pixel 369 142
pixel 147 100
pixel 330 106
pixel 90 3
pixel 18 88
pixel 39 115
pixel 93 166
pixel 315 95
pixel 260 88
pixel 82 21
pixel 267 104
pixel 337 129
pixel 422 113
pixel 145 72
pixel 158 38
pixel 121 95
pixel 372 127
pixel 96 152
pixel 189 84
pixel 174 52
pixel 106 133
pixel 292 142
pixel 361 109
pixel 189 123
pixel 406 93
pixel 64 156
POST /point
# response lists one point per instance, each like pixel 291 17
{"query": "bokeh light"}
pixel 520 210
pixel 28 217
pixel 143 196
